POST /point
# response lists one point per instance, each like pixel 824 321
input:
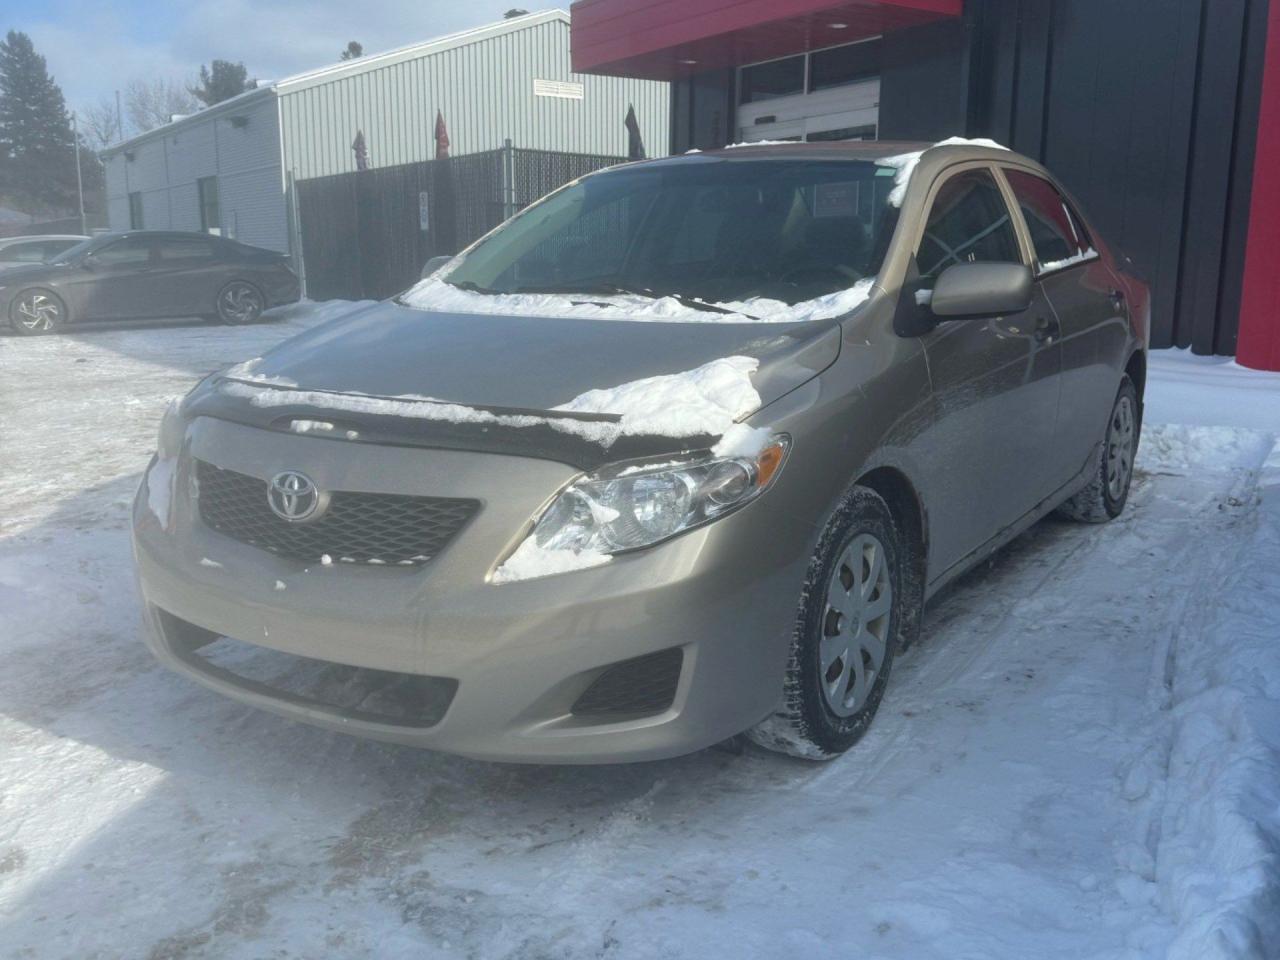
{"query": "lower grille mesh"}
pixel 368 528
pixel 638 687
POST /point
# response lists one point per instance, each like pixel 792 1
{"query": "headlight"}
pixel 625 509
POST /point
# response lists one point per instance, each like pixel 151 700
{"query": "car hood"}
pixel 530 363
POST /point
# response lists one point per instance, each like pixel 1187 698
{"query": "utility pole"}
pixel 119 120
pixel 75 132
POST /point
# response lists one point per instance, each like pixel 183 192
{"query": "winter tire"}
pixel 853 617
pixel 33 312
pixel 1105 496
pixel 240 302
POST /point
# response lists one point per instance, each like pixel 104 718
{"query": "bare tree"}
pixel 153 102
pixel 100 124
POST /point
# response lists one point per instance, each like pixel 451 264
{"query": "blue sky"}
pixel 94 49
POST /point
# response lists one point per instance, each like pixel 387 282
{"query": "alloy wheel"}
pixel 37 311
pixel 239 303
pixel 855 628
pixel 1121 434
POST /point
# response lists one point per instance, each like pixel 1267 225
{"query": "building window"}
pixel 135 211
pixel 210 218
pixel 839 66
pixel 777 78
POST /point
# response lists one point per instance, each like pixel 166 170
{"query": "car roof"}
pixel 944 152
pixel 157 235
pixel 6 241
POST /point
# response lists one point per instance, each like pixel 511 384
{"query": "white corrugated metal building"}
pixel 227 168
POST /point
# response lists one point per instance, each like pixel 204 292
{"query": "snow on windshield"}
pixel 436 295
pixel 905 163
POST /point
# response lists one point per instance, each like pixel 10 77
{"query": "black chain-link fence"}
pixel 363 235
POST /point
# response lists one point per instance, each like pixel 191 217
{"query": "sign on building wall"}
pixel 564 89
pixel 424 214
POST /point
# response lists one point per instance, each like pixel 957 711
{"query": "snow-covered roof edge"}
pixel 335 71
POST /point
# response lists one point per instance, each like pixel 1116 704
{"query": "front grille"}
pixel 637 687
pixel 370 528
pixel 358 693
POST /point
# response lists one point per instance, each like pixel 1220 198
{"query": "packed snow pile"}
pixel 437 295
pixel 905 163
pixel 706 401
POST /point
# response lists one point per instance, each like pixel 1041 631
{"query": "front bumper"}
pixel 519 653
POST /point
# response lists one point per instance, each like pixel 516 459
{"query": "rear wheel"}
pixel 1105 496
pixel 34 312
pixel 240 302
pixel 852 620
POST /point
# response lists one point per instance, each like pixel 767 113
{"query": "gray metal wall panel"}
pixel 484 89
pixel 240 147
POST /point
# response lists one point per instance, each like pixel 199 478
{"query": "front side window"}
pixel 720 231
pixel 969 222
pixel 124 252
pixel 1056 234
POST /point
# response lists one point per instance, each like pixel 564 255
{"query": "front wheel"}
pixel 34 312
pixel 240 302
pixel 852 619
pixel 1105 496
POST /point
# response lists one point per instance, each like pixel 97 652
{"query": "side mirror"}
pixel 433 265
pixel 981 290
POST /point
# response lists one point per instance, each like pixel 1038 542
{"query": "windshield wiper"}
pixel 615 288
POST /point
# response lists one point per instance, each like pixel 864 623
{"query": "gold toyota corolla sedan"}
pixel 678 452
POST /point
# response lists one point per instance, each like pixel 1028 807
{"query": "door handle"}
pixel 1117 299
pixel 1045 329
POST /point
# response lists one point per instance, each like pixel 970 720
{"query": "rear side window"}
pixel 183 249
pixel 24 252
pixel 969 222
pixel 1056 233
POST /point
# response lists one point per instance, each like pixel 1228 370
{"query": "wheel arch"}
pixel 897 490
pixel 1136 370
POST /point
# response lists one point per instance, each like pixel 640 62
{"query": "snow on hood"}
pixel 434 294
pixel 905 163
pixel 706 401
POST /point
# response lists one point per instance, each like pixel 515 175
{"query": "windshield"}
pixel 717 230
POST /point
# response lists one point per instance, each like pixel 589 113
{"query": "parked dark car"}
pixel 141 275
pixel 676 453
pixel 18 251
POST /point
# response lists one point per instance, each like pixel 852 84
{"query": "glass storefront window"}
pixel 777 78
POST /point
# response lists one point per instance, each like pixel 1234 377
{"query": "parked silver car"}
pixel 681 451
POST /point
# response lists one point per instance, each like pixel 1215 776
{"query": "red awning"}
pixel 665 39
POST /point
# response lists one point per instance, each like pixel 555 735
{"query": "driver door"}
pixel 995 380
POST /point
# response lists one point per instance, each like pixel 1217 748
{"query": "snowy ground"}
pixel 1081 759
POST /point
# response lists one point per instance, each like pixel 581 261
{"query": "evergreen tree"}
pixel 354 50
pixel 222 80
pixel 37 149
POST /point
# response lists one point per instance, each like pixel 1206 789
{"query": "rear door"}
pixel 1090 309
pixel 994 379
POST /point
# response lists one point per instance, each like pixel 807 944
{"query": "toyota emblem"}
pixel 293 496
